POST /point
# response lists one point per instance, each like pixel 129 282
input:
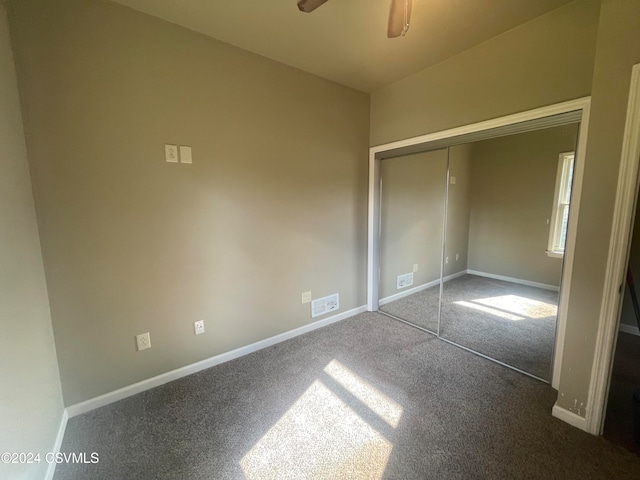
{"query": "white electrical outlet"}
pixel 185 154
pixel 171 153
pixel 446 260
pixel 143 341
pixel 457 257
pixel 324 305
pixel 198 327
pixel 415 267
pixel 453 180
pixel 306 297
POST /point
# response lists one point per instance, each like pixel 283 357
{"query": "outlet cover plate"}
pixel 198 327
pixel 171 153
pixel 143 341
pixel 306 297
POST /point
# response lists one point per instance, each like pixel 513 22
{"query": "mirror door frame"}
pixel 581 105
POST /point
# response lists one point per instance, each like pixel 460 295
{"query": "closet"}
pixel 472 237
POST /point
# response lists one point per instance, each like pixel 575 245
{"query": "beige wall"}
pixel 458 208
pixel 545 61
pixel 512 190
pixel 30 396
pixel 412 217
pixel 617 51
pixel 273 205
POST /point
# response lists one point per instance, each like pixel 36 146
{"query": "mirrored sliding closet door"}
pixel 502 269
pixel 412 210
pixel 472 240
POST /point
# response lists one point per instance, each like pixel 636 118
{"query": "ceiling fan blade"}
pixel 399 17
pixel 309 5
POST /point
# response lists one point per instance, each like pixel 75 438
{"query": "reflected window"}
pixel 561 203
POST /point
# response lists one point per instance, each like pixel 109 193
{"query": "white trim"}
pixel 629 329
pixel 406 293
pixel 582 104
pixel 514 280
pixel 556 109
pixel 373 233
pixel 570 247
pixel 454 275
pixel 419 288
pixel 571 418
pixel 51 469
pixel 124 392
pixel 619 246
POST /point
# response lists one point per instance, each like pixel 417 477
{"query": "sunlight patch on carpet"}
pixel 521 306
pixel 377 401
pixel 489 310
pixel 321 437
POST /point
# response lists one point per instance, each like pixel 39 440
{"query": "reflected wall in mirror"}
pixel 502 194
pixel 411 236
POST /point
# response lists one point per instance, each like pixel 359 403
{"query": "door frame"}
pixel 373 232
pixel 617 261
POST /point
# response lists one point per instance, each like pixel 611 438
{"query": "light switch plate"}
pixel 185 154
pixel 453 180
pixel 171 153
pixel 415 267
pixel 306 297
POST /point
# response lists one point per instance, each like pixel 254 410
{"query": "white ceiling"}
pixel 345 40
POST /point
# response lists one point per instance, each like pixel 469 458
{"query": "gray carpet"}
pixel 421 308
pixel 513 323
pixel 368 397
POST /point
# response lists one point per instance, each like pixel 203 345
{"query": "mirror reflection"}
pixel 508 206
pixel 413 199
pixel 472 241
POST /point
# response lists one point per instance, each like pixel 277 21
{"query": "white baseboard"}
pixel 419 288
pixel 571 418
pixel 51 470
pixel 124 392
pixel 514 280
pixel 406 293
pixel 455 275
pixel 629 329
